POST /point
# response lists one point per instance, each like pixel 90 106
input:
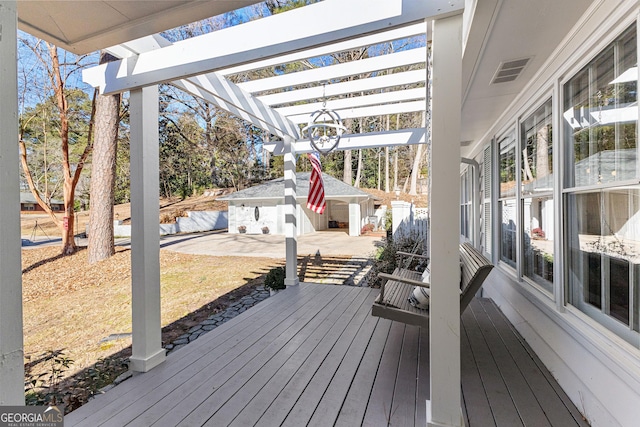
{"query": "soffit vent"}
pixel 508 71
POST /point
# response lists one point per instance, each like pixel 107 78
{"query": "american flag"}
pixel 315 200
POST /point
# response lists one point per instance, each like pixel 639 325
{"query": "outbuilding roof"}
pixel 27 197
pixel 274 189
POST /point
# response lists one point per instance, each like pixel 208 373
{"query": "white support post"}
pixel 444 408
pixel 145 238
pixel 400 218
pixel 11 342
pixel 355 218
pixel 290 213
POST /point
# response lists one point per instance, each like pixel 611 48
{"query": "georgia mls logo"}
pixel 31 416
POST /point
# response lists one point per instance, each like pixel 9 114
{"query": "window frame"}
pixel 568 187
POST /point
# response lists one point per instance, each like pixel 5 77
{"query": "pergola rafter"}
pixel 358 101
pixel 363 66
pixel 352 43
pixel 217 90
pixel 405 78
pixel 363 140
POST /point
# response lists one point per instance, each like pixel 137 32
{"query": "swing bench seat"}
pixel 393 301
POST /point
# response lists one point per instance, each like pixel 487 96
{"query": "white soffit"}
pixel 82 26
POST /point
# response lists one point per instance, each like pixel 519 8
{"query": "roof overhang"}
pixel 86 26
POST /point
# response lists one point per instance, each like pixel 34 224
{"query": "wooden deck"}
pixel 314 355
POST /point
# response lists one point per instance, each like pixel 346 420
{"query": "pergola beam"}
pixel 246 43
pixel 224 94
pixel 217 90
pixel 353 86
pixel 416 94
pixel 354 43
pixel 358 141
pixel 378 110
pixel 363 66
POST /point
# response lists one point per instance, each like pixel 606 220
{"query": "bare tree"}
pixel 417 163
pixel 386 163
pixel 70 174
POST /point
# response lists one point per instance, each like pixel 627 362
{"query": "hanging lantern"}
pixel 324 128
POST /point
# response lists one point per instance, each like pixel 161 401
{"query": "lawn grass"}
pixel 70 305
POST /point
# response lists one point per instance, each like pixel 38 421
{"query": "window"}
pixel 601 115
pixel 486 200
pixel 466 198
pixel 602 196
pixel 507 204
pixel 537 196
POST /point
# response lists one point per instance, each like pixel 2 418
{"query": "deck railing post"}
pixel 147 351
pixel 444 408
pixel 11 341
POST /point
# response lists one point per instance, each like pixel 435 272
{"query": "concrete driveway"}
pixel 221 243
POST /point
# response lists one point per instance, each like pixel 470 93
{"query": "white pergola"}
pixel 202 65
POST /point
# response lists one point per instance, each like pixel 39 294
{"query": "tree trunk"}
pixel 359 170
pixel 395 168
pixel 415 171
pixel 542 153
pixel 379 171
pixel 417 161
pixel 386 164
pixel 70 177
pixel 103 177
pixel 347 176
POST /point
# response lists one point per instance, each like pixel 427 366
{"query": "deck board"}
pixel 378 409
pixel 285 364
pixel 314 355
pixel 306 359
pixel 556 404
pixel 330 405
pixel 500 401
pixel 403 406
pixel 353 410
pixel 524 400
pixel 186 362
pixel 474 396
pixel 307 403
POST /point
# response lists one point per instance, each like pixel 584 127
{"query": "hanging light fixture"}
pixel 324 128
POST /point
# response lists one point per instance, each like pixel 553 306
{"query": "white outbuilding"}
pixel 261 209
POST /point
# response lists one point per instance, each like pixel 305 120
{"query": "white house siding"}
pixel 312 221
pixel 245 214
pixel 598 369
